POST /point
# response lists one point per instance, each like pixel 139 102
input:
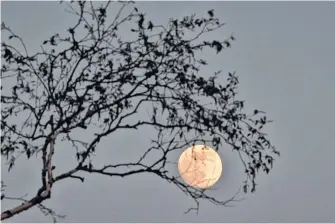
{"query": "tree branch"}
pixel 102 79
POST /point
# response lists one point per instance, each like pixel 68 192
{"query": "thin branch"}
pixel 82 179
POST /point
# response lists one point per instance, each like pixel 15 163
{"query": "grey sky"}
pixel 284 56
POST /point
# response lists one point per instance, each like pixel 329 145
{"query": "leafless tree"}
pixel 103 79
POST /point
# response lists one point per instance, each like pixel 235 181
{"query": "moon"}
pixel 200 166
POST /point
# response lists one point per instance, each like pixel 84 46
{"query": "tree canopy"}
pixel 101 79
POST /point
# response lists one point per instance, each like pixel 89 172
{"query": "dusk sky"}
pixel 284 56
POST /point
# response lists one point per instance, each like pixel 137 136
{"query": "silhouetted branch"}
pixel 101 80
pixel 45 210
pixel 78 177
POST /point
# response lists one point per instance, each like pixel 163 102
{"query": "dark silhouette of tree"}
pixel 101 79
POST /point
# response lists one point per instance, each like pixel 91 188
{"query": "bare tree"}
pixel 103 79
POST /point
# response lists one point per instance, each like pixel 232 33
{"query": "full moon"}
pixel 200 166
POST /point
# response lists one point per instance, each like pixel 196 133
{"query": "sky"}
pixel 283 57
